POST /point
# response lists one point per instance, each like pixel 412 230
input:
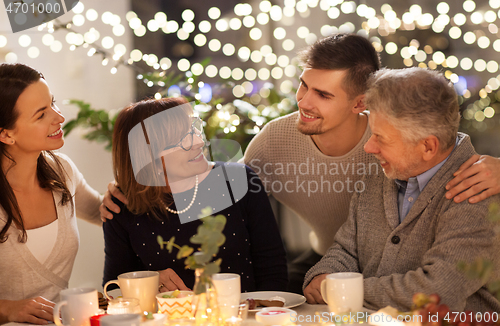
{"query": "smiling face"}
pixel 322 102
pixel 38 126
pixel 399 158
pixel 180 164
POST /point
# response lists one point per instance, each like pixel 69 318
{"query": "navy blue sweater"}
pixel 253 247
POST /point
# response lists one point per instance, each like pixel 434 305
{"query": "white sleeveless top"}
pixel 41 240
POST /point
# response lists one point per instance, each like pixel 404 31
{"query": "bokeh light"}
pixel 289 45
pixel 183 64
pixel 469 5
pixel 225 72
pixel 24 40
pixel 200 40
pixel 264 74
pixel 228 49
pixel 443 8
pixel 460 19
pixel 255 33
pixel 249 21
pixel 466 63
pixel 214 45
pixel 235 24
pixel 92 15
pixel 214 13
pixel 78 20
pixel 11 57
pixel 3 41
pixel 250 74
pixel 197 69
pixel 222 25
pixel 237 74
pixel 204 26
pixel 211 71
pixel 107 42
pixel 469 37
pixel 391 48
pixel 262 18
pixel 188 15
pixel 33 52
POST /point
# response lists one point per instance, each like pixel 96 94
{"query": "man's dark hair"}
pixel 349 52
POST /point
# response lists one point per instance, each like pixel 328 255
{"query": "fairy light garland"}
pixel 282 67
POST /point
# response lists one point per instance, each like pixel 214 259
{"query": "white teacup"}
pixel 228 287
pixel 78 305
pixel 142 285
pixel 343 292
pixel 121 320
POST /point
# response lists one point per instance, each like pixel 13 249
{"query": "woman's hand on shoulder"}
pixel 108 204
pixel 170 281
pixel 34 311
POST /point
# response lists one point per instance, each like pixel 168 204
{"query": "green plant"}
pixel 209 236
pixel 98 121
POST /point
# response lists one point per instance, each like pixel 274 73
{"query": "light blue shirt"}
pixel 408 191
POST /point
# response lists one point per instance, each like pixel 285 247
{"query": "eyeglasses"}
pixel 186 142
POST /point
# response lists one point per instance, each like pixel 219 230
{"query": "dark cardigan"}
pixel 253 247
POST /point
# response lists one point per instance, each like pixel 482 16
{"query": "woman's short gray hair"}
pixel 418 102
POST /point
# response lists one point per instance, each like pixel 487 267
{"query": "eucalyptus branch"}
pixel 209 236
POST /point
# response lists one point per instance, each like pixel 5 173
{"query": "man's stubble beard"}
pixel 302 128
pixel 404 175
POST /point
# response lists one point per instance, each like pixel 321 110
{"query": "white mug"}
pixel 142 285
pixel 78 305
pixel 120 320
pixel 228 287
pixel 343 292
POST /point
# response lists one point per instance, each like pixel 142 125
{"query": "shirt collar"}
pixel 425 177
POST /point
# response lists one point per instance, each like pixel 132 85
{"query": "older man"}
pixel 402 234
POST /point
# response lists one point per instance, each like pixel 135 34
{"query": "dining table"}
pixel 307 314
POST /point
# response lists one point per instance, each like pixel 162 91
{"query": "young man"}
pixel 403 234
pixel 313 160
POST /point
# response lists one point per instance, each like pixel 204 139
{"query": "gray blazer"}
pixel 420 254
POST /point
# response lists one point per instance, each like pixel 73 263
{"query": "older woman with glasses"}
pixel 160 166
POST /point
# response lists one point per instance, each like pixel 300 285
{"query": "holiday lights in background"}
pixel 473 26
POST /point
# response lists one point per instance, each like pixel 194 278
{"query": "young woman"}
pixel 161 168
pixel 40 192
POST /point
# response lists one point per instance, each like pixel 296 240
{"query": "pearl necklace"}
pixel 190 204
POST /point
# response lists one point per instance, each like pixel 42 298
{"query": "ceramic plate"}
pixel 291 299
pixel 115 293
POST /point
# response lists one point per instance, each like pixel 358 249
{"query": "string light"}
pixel 383 23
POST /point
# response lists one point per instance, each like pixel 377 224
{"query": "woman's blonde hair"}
pixel 142 130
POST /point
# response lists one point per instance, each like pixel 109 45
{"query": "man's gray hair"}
pixel 418 102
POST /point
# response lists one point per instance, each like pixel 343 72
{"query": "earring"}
pixel 12 142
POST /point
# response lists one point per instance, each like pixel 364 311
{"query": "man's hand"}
pixel 477 179
pixel 34 311
pixel 170 281
pixel 107 202
pixel 313 290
